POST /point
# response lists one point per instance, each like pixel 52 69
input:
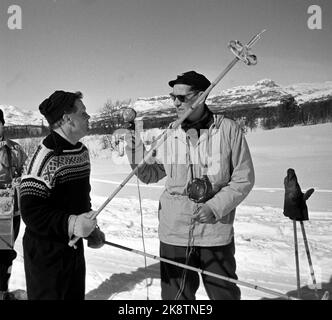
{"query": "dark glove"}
pixel 96 239
pixel 295 207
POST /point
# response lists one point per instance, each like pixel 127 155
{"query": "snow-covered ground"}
pixel 263 236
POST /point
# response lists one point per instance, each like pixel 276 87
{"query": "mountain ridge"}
pixel 264 93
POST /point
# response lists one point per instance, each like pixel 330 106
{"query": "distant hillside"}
pixel 16 116
pixel 264 103
pixel 265 93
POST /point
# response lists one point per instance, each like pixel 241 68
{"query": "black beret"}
pixel 191 78
pixel 53 108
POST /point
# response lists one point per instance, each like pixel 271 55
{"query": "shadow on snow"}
pixel 122 282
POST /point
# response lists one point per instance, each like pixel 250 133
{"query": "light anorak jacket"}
pixel 222 154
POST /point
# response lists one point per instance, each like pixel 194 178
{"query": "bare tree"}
pixel 111 111
pixel 111 114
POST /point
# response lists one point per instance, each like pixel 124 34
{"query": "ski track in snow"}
pixel 270 189
pixel 264 252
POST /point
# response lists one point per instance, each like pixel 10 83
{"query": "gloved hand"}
pixel 96 238
pixel 152 158
pixel 136 150
pixel 205 215
pixel 81 225
pixel 295 207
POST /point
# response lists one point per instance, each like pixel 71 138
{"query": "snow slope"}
pixel 16 116
pixel 263 236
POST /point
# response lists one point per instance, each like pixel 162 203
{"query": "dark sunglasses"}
pixel 182 97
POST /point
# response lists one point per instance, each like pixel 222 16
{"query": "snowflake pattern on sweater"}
pixel 46 170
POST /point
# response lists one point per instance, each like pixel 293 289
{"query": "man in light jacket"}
pixel 211 151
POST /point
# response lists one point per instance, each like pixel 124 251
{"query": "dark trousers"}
pixel 219 260
pixel 53 270
pixel 8 256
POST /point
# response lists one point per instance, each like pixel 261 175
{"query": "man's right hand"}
pixel 81 225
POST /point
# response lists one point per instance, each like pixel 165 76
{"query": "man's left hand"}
pixel 96 239
pixel 205 215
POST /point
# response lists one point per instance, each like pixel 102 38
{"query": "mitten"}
pixel 96 239
pixel 81 225
pixel 295 207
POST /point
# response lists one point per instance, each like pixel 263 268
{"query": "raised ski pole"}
pixel 241 53
pixel 201 271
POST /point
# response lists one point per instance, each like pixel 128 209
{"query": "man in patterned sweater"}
pixel 56 206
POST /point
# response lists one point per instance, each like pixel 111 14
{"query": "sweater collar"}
pixel 57 143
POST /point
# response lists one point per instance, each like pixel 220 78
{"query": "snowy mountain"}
pixel 15 116
pixel 264 93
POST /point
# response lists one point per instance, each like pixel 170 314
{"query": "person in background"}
pixel 12 159
pixel 207 152
pixel 56 204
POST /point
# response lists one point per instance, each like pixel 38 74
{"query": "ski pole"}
pixel 215 275
pixel 242 53
pixel 297 260
pixel 309 259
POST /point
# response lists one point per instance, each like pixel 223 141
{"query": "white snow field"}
pixel 263 235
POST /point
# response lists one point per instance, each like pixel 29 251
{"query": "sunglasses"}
pixel 182 97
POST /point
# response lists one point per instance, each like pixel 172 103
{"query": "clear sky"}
pixel 121 49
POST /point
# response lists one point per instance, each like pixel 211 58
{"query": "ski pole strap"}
pixel 178 264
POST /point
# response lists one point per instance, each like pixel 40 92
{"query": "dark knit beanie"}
pixel 1 117
pixel 54 107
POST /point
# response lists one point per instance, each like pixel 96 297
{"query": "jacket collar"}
pixel 203 123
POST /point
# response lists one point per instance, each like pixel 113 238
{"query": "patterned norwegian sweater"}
pixel 55 185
